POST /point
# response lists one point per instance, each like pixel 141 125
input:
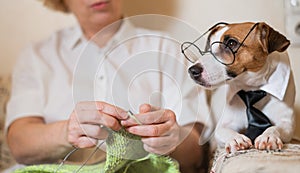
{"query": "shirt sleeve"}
pixel 27 96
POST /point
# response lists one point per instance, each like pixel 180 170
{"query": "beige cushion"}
pixel 257 161
pixel 5 156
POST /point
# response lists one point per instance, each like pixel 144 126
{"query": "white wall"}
pixel 23 21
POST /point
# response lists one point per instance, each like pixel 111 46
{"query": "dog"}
pixel 245 56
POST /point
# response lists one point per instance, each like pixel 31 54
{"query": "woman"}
pixel 44 120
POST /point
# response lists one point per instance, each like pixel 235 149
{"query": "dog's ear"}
pixel 272 40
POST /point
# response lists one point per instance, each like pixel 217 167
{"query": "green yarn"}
pixel 67 168
pixel 124 154
pixel 122 148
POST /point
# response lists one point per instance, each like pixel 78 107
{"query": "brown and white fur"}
pixel 250 64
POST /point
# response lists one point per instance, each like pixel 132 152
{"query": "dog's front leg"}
pixel 232 140
pixel 282 131
pixel 269 139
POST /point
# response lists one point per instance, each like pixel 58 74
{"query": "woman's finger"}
pixel 104 107
pixel 148 108
pixel 97 118
pixel 155 117
pixel 93 131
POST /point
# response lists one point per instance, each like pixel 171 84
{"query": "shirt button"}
pixel 101 77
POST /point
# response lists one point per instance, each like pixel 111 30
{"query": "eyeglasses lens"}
pixel 222 53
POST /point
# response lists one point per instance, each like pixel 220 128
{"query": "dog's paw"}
pixel 268 142
pixel 238 142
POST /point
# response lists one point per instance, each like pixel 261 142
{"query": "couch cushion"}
pixel 5 156
pixel 249 161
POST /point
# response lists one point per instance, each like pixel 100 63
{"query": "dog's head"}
pixel 232 49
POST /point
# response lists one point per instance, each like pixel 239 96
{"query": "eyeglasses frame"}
pixel 204 52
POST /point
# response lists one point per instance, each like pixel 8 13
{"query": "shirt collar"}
pixel 274 82
pixel 75 36
pixel 126 31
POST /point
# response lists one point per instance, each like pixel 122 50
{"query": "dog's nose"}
pixel 196 70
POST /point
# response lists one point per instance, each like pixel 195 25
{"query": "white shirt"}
pixel 229 110
pixel 136 66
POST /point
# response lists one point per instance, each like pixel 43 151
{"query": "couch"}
pixel 6 159
pixel 248 161
pixel 258 161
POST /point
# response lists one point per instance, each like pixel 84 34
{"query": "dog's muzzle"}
pixel 195 71
pixel 208 72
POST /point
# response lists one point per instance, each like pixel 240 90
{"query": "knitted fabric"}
pixel 125 154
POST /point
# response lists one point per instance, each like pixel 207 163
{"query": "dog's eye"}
pixel 231 43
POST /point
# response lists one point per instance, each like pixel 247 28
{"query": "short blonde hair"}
pixel 58 5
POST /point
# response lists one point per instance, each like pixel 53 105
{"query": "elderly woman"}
pixel 55 107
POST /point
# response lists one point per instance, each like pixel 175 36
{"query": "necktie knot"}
pixel 251 97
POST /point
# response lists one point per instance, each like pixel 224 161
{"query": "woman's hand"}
pixel 87 119
pixel 159 129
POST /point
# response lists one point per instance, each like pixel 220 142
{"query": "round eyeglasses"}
pixel 224 52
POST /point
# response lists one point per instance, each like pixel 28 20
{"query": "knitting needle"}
pixel 131 115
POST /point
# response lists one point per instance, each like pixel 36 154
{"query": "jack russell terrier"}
pixel 240 58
